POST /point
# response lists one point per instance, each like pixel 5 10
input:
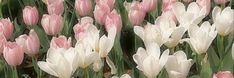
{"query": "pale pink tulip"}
pixel 60 42
pixel 221 1
pixel 13 53
pixel 110 3
pixel 204 4
pixel 167 9
pixel 2 41
pixel 83 7
pixel 100 13
pixel 30 43
pixel 223 74
pixel 136 13
pixel 30 15
pixel 55 7
pixel 6 27
pixel 52 24
pixel 149 5
pixel 113 19
pixel 80 28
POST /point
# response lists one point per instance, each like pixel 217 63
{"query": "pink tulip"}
pixel 113 19
pixel 6 27
pixel 204 4
pixel 110 3
pixel 80 28
pixel 167 9
pixel 136 13
pixel 149 5
pixel 2 41
pixel 100 13
pixel 30 15
pixel 60 42
pixel 52 24
pixel 13 53
pixel 221 1
pixel 223 74
pixel 55 7
pixel 30 43
pixel 83 7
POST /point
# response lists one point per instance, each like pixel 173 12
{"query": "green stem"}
pixel 36 68
pixel 14 68
pixel 172 50
pixel 86 72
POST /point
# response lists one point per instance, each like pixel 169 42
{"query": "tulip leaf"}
pixel 227 62
pixel 19 29
pixel 206 71
pixel 213 58
pixel 44 40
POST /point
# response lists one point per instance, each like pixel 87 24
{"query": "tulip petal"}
pixel 111 65
pixel 178 10
pixel 139 31
pixel 216 11
pixel 47 68
pixel 163 58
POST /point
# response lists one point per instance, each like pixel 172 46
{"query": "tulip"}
pixel 201 37
pixel 100 13
pixel 81 27
pixel 98 64
pixel 6 27
pixel 111 65
pixel 2 41
pixel 55 7
pixel 60 42
pixel 167 9
pixel 233 51
pixel 148 60
pixel 83 7
pixel 110 3
pixel 30 15
pixel 204 4
pixel 13 53
pixel 60 62
pixel 221 1
pixel 223 74
pixel 136 12
pixel 30 43
pixel 113 19
pixel 122 76
pixel 149 5
pixel 223 20
pixel 52 24
pixel 193 14
pixel 177 65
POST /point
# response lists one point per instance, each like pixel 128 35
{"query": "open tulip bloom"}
pixel 117 38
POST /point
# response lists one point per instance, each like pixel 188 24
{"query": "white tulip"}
pixel 123 76
pixel 202 37
pixel 60 62
pixel 148 60
pixel 98 64
pixel 85 54
pixel 223 20
pixel 192 15
pixel 177 65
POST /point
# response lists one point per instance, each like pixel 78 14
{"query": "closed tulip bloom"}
pixel 167 9
pixel 13 53
pixel 100 13
pixel 6 27
pixel 223 74
pixel 204 4
pixel 221 1
pixel 2 41
pixel 223 20
pixel 178 65
pixel 30 15
pixel 81 27
pixel 60 62
pixel 201 37
pixel 83 7
pixel 149 5
pixel 113 19
pixel 30 43
pixel 136 12
pixel 110 3
pixel 52 24
pixel 55 7
pixel 60 42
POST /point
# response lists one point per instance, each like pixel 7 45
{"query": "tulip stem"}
pixel 15 73
pixel 86 72
pixel 36 68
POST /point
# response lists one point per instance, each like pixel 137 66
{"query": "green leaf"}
pixel 44 40
pixel 227 62
pixel 19 29
pixel 206 71
pixel 213 58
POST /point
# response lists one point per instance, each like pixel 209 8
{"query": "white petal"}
pixel 104 46
pixel 111 65
pixel 216 11
pixel 125 76
pixel 139 31
pixel 64 69
pixel 98 64
pixel 47 68
pixel 193 30
pixel 153 49
pixel 163 58
pixel 112 33
pixel 178 9
pixel 185 66
pixel 180 55
pixel 151 67
pixel 139 57
pixel 193 8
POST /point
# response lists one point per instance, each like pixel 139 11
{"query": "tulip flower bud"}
pixel 83 7
pixel 110 3
pixel 221 1
pixel 80 28
pixel 2 41
pixel 13 53
pixel 6 27
pixel 52 24
pixel 30 15
pixel 113 19
pixel 223 74
pixel 30 43
pixel 60 42
pixel 100 13
pixel 136 12
pixel 204 4
pixel 55 7
pixel 167 9
pixel 149 5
